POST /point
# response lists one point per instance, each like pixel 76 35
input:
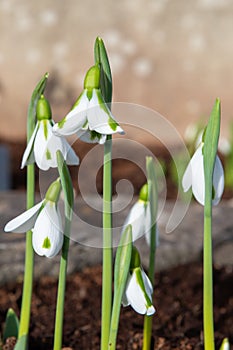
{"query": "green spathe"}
pixel 43 110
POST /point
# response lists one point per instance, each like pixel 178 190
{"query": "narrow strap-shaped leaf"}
pixel 38 91
pixel 11 328
pixel 123 257
pixel 210 147
pixel 101 58
pixel 122 265
pixel 66 183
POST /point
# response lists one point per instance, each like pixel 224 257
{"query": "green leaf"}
pixel 123 258
pixel 38 91
pixel 210 148
pixel 101 58
pixel 22 343
pixel 11 325
pixel 66 183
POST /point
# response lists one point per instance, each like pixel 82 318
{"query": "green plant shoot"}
pixel 209 153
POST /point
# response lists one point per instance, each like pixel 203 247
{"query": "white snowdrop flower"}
pixel 44 219
pixel 194 177
pixel 139 218
pixel 138 291
pixel 90 118
pixel 225 344
pixel 43 144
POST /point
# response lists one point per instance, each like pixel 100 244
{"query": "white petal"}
pixel 86 136
pixel 56 143
pixel 48 226
pixel 28 156
pixel 187 178
pixel 218 180
pixel 41 143
pixel 135 296
pixel 99 115
pixel 147 284
pixel 136 218
pixel 75 119
pixel 25 221
pixel 198 179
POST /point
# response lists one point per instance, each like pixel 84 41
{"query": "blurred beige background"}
pixel 174 56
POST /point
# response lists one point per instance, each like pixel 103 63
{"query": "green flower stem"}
pixel 208 277
pixel 107 244
pixel 29 253
pixel 29 260
pixel 147 328
pixel 61 287
pixel 67 187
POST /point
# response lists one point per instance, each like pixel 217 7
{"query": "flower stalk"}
pixel 29 254
pixel 153 201
pixel 107 244
pixel 69 201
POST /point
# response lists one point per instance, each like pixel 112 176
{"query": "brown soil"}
pixel 177 323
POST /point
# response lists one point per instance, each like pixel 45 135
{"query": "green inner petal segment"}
pixel 46 243
pixel 112 123
pixel 95 135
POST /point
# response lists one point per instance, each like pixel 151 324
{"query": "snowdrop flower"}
pixel 139 217
pixel 225 344
pixel 44 220
pixel 43 144
pixel 138 291
pixel 194 177
pixel 90 118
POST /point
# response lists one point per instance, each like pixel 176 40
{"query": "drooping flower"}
pixel 225 344
pixel 90 118
pixel 43 144
pixel 139 218
pixel 194 177
pixel 138 290
pixel 44 219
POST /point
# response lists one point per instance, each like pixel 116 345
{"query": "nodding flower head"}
pixel 90 118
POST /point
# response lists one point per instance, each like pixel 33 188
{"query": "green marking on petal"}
pixel 138 273
pixel 61 123
pixel 48 155
pixel 89 93
pixel 112 123
pixel 45 125
pixel 46 243
pixel 95 135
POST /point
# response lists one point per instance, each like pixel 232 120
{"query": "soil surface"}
pixel 177 323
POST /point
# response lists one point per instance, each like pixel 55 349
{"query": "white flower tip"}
pixel 150 310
